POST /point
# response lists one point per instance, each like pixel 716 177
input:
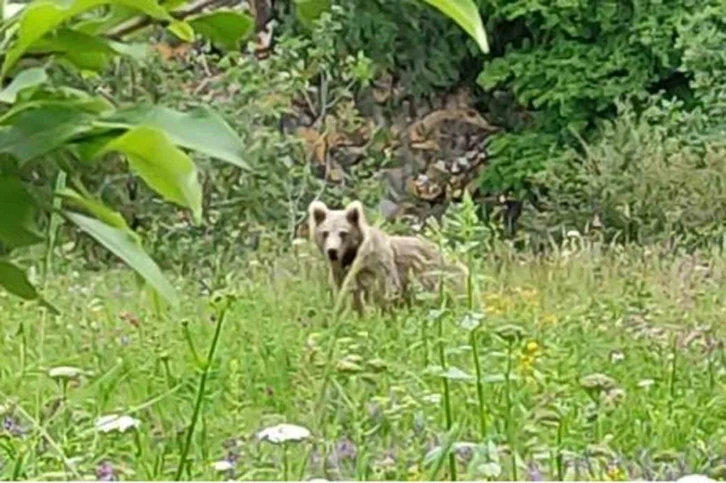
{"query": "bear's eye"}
pixel 325 234
pixel 343 234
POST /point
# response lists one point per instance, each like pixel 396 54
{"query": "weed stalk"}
pixel 508 400
pixel 207 364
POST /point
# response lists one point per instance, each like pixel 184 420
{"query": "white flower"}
pixel 113 422
pixel 695 479
pixel 222 465
pixel 616 356
pixel 283 433
pixel 573 234
pixel 646 383
pixel 65 372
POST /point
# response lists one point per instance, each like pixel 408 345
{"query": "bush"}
pixel 639 183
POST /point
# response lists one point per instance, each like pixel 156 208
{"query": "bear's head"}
pixel 338 233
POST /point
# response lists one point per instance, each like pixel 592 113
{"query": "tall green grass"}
pixel 647 328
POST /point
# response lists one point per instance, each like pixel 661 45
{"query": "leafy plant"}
pixel 49 128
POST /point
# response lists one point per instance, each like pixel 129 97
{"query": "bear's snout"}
pixel 333 254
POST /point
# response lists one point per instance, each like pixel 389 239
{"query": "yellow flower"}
pixel 414 473
pixel 614 473
pixel 548 319
pixel 532 347
pixel 496 303
pixel 526 363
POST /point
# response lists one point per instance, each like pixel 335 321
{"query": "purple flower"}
pixel 346 449
pixel 533 471
pixel 11 426
pixel 104 472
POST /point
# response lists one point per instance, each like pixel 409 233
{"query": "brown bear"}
pixel 379 264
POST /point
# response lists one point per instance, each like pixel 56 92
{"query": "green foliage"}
pixel 608 320
pixel 555 69
pixel 466 14
pixel 49 126
pixel 423 48
pixel 639 183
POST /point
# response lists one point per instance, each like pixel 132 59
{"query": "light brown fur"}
pixel 355 249
pixel 378 263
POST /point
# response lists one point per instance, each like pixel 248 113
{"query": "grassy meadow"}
pixel 587 364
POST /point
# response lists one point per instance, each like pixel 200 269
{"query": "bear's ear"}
pixel 317 211
pixel 354 214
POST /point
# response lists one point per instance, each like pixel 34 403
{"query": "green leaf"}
pixel 96 208
pixel 163 166
pixel 17 212
pixel 98 25
pixel 308 11
pixel 42 16
pixel 224 28
pixel 85 51
pixel 182 30
pixel 41 129
pixel 128 248
pixel 200 129
pixel 14 280
pixel 466 14
pixel 26 79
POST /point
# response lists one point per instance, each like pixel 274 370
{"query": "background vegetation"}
pixel 571 152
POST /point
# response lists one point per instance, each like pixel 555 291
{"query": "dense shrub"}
pixel 639 183
pixel 555 70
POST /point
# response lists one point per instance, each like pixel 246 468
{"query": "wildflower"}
pixel 113 422
pixel 614 397
pixel 283 433
pixel 464 450
pixel 614 473
pixel 414 473
pixel 646 383
pixel 548 319
pixel 695 479
pixel 346 449
pixel 64 372
pixel 11 427
pixel 223 465
pixel 597 382
pixel 532 347
pixel 573 234
pixel 104 472
pixel 616 356
pixel 533 472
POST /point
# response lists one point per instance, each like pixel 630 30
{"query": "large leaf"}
pixel 182 30
pixel 26 79
pixel 17 212
pixel 308 11
pixel 127 247
pixel 224 28
pixel 85 51
pixel 96 208
pixel 42 16
pixel 466 14
pixel 42 128
pixel 164 167
pixel 200 129
pixel 14 280
pixel 98 25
